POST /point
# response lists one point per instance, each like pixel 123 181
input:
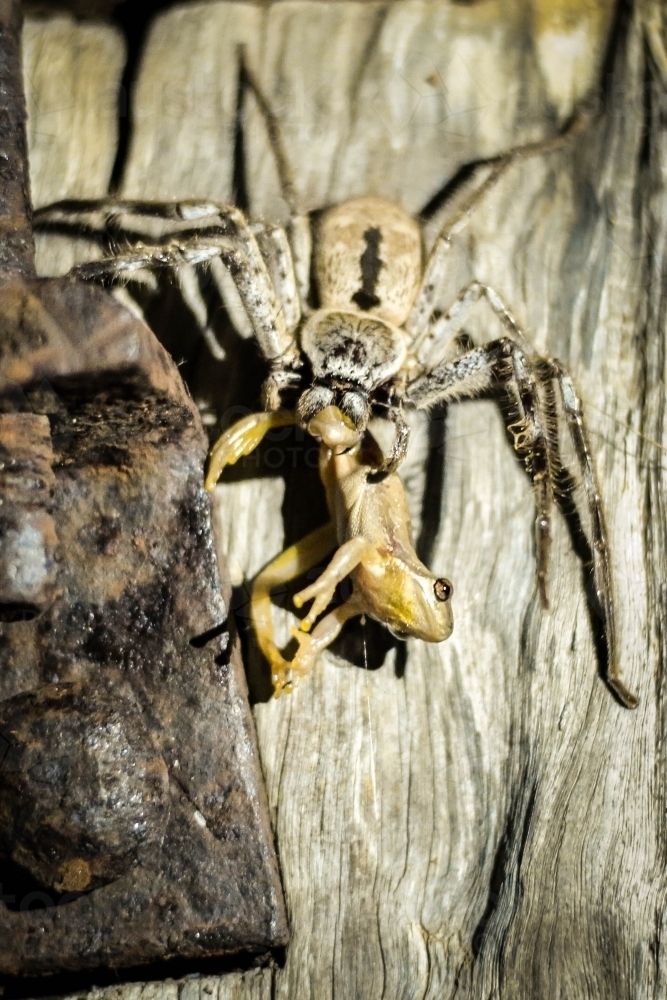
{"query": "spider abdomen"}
pixel 368 257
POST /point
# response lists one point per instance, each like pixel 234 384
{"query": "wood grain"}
pixel 487 822
pixel 71 75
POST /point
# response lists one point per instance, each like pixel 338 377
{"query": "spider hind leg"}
pixel 599 549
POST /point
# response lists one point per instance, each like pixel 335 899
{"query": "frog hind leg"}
pixel 291 563
pixel 242 438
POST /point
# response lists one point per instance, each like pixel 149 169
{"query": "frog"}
pixel 369 534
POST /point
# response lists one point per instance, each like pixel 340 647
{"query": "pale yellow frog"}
pixel 371 527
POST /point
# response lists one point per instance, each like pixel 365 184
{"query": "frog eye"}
pixel 443 590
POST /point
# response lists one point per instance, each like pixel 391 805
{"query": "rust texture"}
pixel 27 529
pixel 17 251
pixel 132 815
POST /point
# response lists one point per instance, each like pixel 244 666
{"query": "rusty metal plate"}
pixel 132 813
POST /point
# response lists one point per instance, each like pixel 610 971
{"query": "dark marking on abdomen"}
pixel 370 265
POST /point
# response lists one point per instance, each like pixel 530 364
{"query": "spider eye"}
pixel 355 406
pixel 443 590
pixel 313 401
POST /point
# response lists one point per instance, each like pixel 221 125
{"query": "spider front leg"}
pixel 285 374
pixel 503 365
pixel 505 370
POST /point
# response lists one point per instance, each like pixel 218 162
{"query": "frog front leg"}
pixel 346 559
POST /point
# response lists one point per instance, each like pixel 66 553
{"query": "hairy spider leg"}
pixel 533 445
pixel 484 369
pixel 530 432
pixel 275 249
pixel 436 266
pixel 249 271
pixel 242 438
pixel 600 549
pixel 219 235
pixel 399 448
pixel 535 440
pixel 440 332
pixel 299 230
pixel 291 563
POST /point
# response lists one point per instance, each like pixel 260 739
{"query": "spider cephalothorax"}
pixel 374 343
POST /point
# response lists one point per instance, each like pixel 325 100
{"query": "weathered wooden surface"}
pixel 71 73
pixel 488 822
pixel 71 76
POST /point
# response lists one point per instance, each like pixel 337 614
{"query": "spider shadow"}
pixel 223 389
pixel 565 487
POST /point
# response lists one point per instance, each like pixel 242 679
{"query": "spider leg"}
pixel 299 231
pixel 439 333
pixel 275 249
pixel 532 421
pixel 546 373
pixel 241 257
pixel 503 369
pixel 602 577
pixel 399 448
pixel 122 215
pixel 166 234
pixel 437 262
